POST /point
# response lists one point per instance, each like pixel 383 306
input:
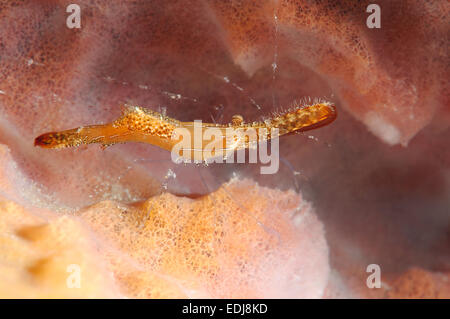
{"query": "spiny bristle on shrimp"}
pixel 137 124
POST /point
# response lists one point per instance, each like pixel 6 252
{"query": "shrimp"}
pixel 137 124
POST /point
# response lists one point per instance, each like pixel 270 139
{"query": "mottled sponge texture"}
pixel 377 178
pixel 241 241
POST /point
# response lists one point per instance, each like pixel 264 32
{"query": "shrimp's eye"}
pixel 237 120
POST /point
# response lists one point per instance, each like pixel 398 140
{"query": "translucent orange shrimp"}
pixel 137 124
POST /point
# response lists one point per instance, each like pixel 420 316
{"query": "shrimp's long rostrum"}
pixel 141 125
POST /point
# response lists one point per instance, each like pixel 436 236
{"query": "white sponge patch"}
pixel 381 128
